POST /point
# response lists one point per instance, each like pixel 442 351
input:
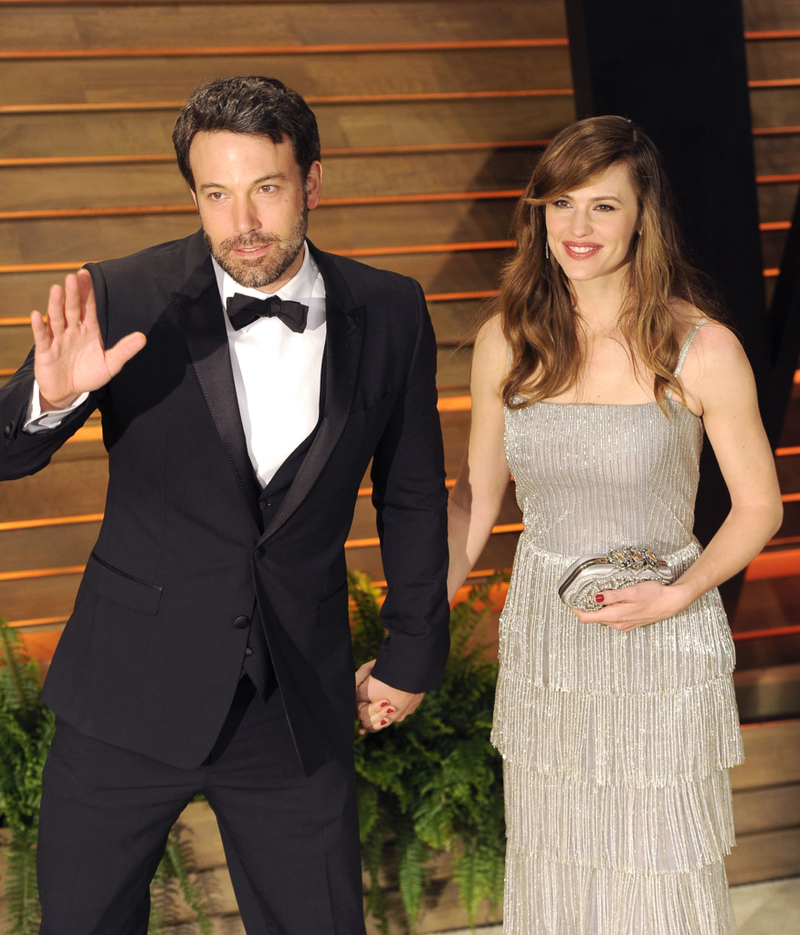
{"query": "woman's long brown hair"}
pixel 539 319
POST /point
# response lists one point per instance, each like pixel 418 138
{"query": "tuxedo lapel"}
pixel 345 331
pixel 199 312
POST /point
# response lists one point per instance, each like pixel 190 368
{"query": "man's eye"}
pixel 215 196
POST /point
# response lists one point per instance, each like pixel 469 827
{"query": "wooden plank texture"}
pixel 145 132
pixel 122 185
pixel 98 25
pixel 331 228
pixel 172 79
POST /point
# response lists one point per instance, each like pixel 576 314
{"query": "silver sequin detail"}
pixel 616 745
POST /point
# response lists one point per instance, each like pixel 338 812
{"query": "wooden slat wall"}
pixel 85 123
pixel 432 109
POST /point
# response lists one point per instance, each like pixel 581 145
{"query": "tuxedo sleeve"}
pixel 23 453
pixel 410 499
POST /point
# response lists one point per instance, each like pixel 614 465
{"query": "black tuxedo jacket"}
pixel 150 657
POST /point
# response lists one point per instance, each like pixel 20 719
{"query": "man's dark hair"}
pixel 248 104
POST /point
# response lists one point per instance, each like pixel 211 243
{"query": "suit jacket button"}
pixel 8 430
pixel 242 622
pixel 248 651
pixel 259 552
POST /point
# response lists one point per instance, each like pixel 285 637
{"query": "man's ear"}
pixel 313 185
pixel 194 197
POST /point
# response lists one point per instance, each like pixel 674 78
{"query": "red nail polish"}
pixel 384 722
pixel 384 703
pixel 599 598
pixel 390 710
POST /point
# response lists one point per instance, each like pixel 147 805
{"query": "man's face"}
pixel 253 205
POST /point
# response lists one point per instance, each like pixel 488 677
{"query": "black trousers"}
pixel 291 841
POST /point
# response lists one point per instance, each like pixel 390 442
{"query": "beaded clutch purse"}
pixel 618 568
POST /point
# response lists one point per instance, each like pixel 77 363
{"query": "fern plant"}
pixel 26 729
pixel 433 782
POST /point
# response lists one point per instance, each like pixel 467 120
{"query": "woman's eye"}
pixel 561 203
pixel 605 207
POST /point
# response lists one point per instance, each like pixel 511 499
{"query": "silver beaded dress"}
pixel 616 745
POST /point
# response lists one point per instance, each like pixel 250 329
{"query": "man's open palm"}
pixel 70 355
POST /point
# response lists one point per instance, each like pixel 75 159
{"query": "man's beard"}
pixel 263 270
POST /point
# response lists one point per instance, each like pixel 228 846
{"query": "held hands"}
pixel 627 608
pixel 380 705
pixel 70 356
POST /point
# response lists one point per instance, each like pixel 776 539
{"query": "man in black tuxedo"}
pixel 209 648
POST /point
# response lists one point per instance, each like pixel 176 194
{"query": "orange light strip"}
pixel 775 131
pixel 315 100
pixel 790 497
pixel 338 48
pixel 775 226
pixel 787 452
pixel 460 296
pixel 759 83
pixel 454 404
pixel 138 210
pixel 41 573
pixel 411 249
pixel 783 564
pixel 331 152
pixel 778 179
pixel 766 634
pixel 36 622
pixel 757 35
pixel 50 521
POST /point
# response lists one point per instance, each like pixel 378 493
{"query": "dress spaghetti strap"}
pixel 684 352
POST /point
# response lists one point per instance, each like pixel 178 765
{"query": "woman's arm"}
pixel 482 480
pixel 719 385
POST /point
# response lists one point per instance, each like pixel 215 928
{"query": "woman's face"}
pixel 590 230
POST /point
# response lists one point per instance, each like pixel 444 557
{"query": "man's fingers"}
pixel 55 310
pixel 72 301
pixel 86 300
pixel 123 350
pixel 42 335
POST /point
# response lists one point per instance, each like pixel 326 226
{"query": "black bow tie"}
pixel 243 310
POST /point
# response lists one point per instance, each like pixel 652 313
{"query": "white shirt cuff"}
pixel 39 421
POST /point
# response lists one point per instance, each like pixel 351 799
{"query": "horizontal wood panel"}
pixel 771 14
pixel 100 25
pixel 45 547
pixel 373 73
pixel 764 856
pixel 38 597
pixel 766 809
pixel 331 228
pixel 31 188
pixel 777 107
pixel 773 59
pixel 64 488
pixel 778 154
pixel 145 132
pixel 772 756
pixel 776 202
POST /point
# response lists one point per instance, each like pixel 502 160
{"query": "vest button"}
pixel 259 552
pixel 242 622
pixel 8 430
pixel 248 651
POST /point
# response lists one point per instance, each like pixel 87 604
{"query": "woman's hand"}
pixel 627 608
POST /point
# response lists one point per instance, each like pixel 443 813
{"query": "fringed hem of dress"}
pixel 682 827
pixel 547 897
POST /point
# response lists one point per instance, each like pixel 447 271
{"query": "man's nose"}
pixel 245 217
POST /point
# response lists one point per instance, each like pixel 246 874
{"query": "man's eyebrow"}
pixel 273 176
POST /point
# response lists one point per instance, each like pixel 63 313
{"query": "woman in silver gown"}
pixel 594 377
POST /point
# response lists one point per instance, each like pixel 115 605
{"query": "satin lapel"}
pixel 345 331
pixel 200 315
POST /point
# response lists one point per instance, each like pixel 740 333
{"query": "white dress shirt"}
pixel 276 372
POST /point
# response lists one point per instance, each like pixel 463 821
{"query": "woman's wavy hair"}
pixel 540 321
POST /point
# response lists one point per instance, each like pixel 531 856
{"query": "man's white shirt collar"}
pixel 305 286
